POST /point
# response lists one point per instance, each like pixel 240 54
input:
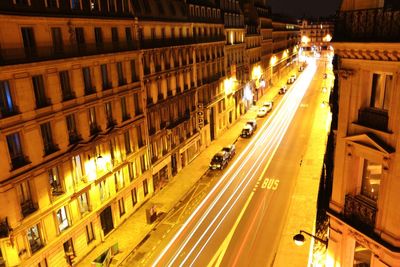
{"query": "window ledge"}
pixel 365 128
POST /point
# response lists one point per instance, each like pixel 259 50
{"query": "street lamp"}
pixel 299 239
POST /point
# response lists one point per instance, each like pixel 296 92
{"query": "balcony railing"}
pixel 28 207
pixel 111 122
pixel 373 118
pixel 90 90
pixel 19 161
pixel 4 228
pixel 94 129
pixel 9 111
pixel 43 53
pixel 368 25
pixel 167 42
pixel 50 148
pixel 74 138
pixel 360 211
pixel 69 95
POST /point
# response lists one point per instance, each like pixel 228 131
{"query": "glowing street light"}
pixel 299 239
pixel 305 40
pixel 327 38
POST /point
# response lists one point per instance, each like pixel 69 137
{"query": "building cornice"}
pixel 368 51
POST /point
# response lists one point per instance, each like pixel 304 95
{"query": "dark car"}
pixel 219 161
pixel 247 131
pixel 282 90
pixel 231 150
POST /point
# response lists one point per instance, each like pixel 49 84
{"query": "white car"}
pixel 268 105
pixel 262 112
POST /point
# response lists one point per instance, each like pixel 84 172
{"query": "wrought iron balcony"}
pixel 373 118
pixel 28 207
pixel 4 228
pixel 74 138
pixel 152 130
pixel 43 53
pixel 43 102
pixel 107 85
pixel 122 82
pixel 368 25
pixel 111 122
pixel 19 161
pixel 50 148
pixel 94 129
pixel 9 111
pixel 360 211
pixel 90 90
pixel 126 117
pixel 68 95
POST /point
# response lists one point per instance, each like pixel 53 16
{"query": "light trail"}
pixel 267 133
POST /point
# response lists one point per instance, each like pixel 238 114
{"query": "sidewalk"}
pixel 135 229
pixel 303 207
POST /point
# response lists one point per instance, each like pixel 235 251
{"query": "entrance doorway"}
pixel 106 220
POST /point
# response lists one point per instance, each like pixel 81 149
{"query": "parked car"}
pixel 301 68
pixel 268 105
pixel 282 90
pixel 325 75
pixel 219 161
pixel 231 150
pixel 290 80
pixel 253 124
pixel 247 131
pixel 262 111
pixel 294 76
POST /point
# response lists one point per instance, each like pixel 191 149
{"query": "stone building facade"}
pixel 102 102
pixel 364 215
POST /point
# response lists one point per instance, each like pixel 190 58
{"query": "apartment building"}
pixel 284 46
pixel 316 34
pixel 364 215
pixel 73 146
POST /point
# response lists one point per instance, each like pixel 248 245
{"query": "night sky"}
pixel 309 8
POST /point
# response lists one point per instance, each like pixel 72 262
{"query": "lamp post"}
pixel 299 239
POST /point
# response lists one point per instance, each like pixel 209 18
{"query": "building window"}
pixel 73 134
pixel 137 105
pixel 29 42
pixel 121 206
pixel 134 197
pixel 18 159
pixel 39 90
pixel 34 238
pixel 83 203
pixel 103 191
pixel 75 4
pixel 132 170
pixel 114 35
pixel 104 77
pixel 62 219
pixel 55 182
pixel 119 180
pixel 134 77
pixel 94 128
pixel 128 33
pixel 371 180
pixel 25 198
pixel 110 120
pixel 57 39
pixel 77 169
pixel 381 90
pixel 98 35
pixel 127 139
pixel 87 80
pixel 7 107
pixel 69 251
pixel 153 34
pixel 139 136
pixel 79 36
pixel 121 76
pixel 124 110
pixel 21 2
pixel 66 90
pixel 145 187
pixel 362 256
pixel 47 137
pixel 89 233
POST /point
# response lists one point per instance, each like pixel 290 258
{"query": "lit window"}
pixel 34 238
pixel 371 180
pixel 62 219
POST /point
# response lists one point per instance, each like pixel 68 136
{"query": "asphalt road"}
pixel 239 222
